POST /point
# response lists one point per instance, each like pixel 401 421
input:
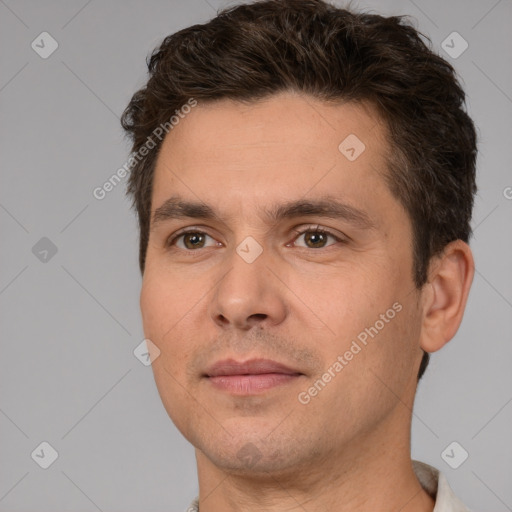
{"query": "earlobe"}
pixel 449 282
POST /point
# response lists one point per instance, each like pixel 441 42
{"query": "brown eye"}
pixel 316 238
pixel 190 240
pixel 193 240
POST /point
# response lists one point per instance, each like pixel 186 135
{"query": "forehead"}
pixel 285 145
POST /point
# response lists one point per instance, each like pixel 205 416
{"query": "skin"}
pixel 298 303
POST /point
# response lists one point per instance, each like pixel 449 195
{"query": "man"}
pixel 304 179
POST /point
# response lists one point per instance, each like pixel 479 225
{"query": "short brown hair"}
pixel 251 51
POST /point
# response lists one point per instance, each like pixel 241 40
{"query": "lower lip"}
pixel 251 384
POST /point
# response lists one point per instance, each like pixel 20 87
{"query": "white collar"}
pixel 435 483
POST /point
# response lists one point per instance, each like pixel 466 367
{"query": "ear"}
pixel 445 295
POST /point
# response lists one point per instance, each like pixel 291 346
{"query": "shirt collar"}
pixel 431 479
pixel 435 483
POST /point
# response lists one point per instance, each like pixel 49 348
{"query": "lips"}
pixel 231 367
pixel 250 377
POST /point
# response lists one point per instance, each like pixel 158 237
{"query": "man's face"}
pixel 338 310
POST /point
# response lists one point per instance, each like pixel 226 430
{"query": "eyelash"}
pixel 311 229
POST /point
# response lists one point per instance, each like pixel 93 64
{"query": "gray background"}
pixel 70 324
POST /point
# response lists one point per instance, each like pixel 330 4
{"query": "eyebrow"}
pixel 178 208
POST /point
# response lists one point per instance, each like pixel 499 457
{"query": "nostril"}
pixel 258 316
pixel 223 319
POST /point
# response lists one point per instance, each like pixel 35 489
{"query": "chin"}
pixel 251 459
pixel 252 451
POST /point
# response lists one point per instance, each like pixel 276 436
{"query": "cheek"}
pixel 169 308
pixel 370 312
pixel 347 298
pixel 163 303
pixel 161 311
pixel 153 305
pixel 390 355
pixel 378 374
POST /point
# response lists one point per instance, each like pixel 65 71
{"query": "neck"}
pixel 372 472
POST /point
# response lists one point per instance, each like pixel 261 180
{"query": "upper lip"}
pixel 251 367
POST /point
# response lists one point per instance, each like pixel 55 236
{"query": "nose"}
pixel 249 294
